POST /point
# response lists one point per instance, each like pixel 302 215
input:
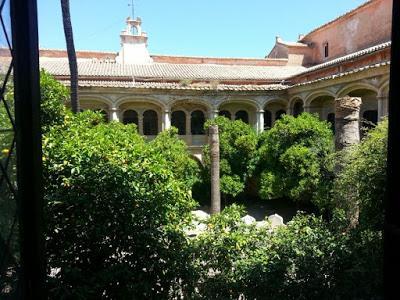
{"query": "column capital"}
pixel 260 111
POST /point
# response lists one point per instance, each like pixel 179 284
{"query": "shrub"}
pixel 292 158
pixel 306 259
pixel 114 213
pixel 218 252
pixel 175 152
pixel 54 96
pixel 238 142
pixel 362 179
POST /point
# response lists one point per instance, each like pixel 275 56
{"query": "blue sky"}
pixel 218 28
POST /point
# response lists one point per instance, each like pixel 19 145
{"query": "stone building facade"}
pixel 347 56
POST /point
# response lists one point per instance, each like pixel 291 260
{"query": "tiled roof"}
pixel 177 86
pixel 98 69
pixel 346 57
pixel 339 75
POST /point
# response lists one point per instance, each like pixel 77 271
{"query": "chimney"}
pixel 133 44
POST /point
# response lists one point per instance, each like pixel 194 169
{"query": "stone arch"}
pixel 198 159
pixel 283 101
pixel 279 114
pixel 130 116
pixel 271 109
pixel 225 113
pixel 190 104
pixel 322 104
pixel 249 102
pixel 384 89
pixel 178 120
pixel 96 98
pixel 197 120
pixel 150 122
pixel 354 87
pixel 96 103
pixel 317 94
pixel 296 105
pixel 242 115
pixel 140 106
pixel 236 105
pixel 267 119
pixel 369 104
pixel 142 100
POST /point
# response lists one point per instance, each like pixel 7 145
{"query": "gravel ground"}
pixel 259 209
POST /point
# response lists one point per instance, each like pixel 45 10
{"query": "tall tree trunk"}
pixel 347 133
pixel 215 185
pixel 73 66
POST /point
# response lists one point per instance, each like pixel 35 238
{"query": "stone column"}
pixel 166 124
pixel 260 121
pixel 189 128
pixel 214 113
pixel 114 111
pixel 347 133
pixel 383 107
pixel 307 109
pixel 140 119
pixel 215 180
pixel 347 121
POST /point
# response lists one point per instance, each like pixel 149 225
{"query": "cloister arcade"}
pixel 188 114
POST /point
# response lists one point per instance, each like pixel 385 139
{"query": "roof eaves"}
pixel 345 58
pixel 339 75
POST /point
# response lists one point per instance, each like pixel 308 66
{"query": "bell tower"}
pixel 133 44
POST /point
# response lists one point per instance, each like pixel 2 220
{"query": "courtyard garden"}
pixel 118 209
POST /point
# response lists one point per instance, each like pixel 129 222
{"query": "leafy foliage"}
pixel 292 157
pixel 362 179
pixel 175 151
pixel 53 95
pixel 306 259
pixel 238 142
pixel 115 213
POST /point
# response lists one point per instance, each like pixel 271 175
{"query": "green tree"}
pixel 292 158
pixel 238 142
pixel 361 183
pixel 53 97
pixel 115 213
pixel 176 153
pixel 308 258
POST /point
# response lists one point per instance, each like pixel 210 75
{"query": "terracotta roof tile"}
pixel 338 75
pixel 98 69
pixel 176 86
pixel 346 57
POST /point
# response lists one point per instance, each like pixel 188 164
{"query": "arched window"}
pixel 370 118
pixel 150 122
pixel 130 117
pixel 197 122
pixel 267 119
pixel 279 114
pixel 298 108
pixel 242 115
pixel 104 113
pixel 179 121
pixel 225 113
pixel 331 119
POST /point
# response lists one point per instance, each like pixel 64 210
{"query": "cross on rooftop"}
pixel 132 5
